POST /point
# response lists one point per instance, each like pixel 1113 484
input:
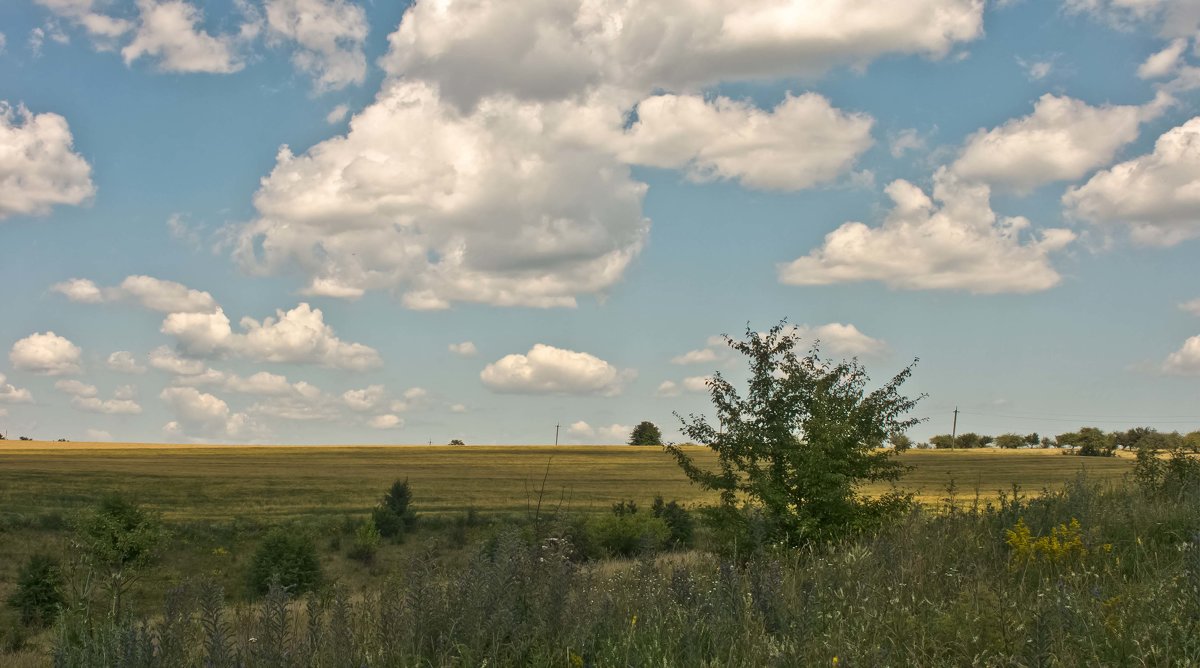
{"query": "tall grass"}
pixel 1086 575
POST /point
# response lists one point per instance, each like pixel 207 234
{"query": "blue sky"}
pixel 491 218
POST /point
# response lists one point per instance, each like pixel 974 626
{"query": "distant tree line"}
pixel 1087 441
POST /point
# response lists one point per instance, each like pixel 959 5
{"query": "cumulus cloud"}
pixel 98 436
pixel 458 408
pixel 100 26
pixel 337 114
pixel 76 388
pixel 1164 62
pixel 48 354
pixel 151 293
pixel 700 356
pixel 107 406
pixel 667 388
pixel 696 384
pixel 493 166
pixel 464 349
pixel 1192 306
pixel 559 48
pixel 842 339
pixel 956 244
pixel 329 36
pixel 123 361
pixel 165 359
pixel 1157 195
pixel 298 336
pixel 11 394
pixel 497 206
pixel 39 167
pixel 1186 360
pixel 387 421
pixel 803 142
pixel 1175 18
pixel 614 433
pixel 905 141
pixel 365 399
pixel 549 370
pixel 1062 140
pixel 171 32
pixel 203 413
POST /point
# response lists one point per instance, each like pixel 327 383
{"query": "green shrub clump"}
pixel 366 542
pixel 625 533
pixel 394 515
pixel 38 598
pixel 288 557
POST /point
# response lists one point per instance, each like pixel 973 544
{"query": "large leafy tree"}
pixel 801 443
pixel 646 433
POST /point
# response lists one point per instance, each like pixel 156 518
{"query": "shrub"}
pixel 366 542
pixel 457 441
pixel 38 597
pixel 1175 476
pixel 287 556
pixel 629 535
pixel 394 515
pixel 677 519
pixel 119 541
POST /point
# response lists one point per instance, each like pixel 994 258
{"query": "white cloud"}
pixel 843 339
pixel 260 384
pixel 549 370
pixel 107 406
pixel 306 403
pixel 37 37
pixel 365 399
pixel 701 356
pixel 125 392
pixel 202 412
pixel 171 32
pixel 76 388
pixel 1062 140
pixel 1192 306
pixel 98 436
pixel 1036 70
pixel 101 27
pixel 123 361
pixel 337 114
pixel 39 167
pixel 1186 360
pixel 329 35
pixel 697 384
pixel 1164 62
pixel 959 245
pixel 803 142
pixel 612 434
pixel 512 204
pixel 48 354
pixel 458 408
pixel 1176 18
pixel 1156 195
pixel 165 359
pixel 388 421
pixel 298 336
pixel 559 48
pixel 13 395
pixel 464 349
pixel 668 388
pixel 151 293
pixel 904 141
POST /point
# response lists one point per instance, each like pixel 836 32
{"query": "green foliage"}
pixel 802 442
pixel 1090 442
pixel 630 534
pixel 942 441
pixel 457 441
pixel 287 557
pixel 900 441
pixel 971 440
pixel 118 541
pixel 38 597
pixel 394 515
pixel 646 433
pixel 1011 441
pixel 678 520
pixel 1176 476
pixel 366 542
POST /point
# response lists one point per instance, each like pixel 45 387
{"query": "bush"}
pixel 678 520
pixel 120 541
pixel 1176 476
pixel 366 542
pixel 394 515
pixel 38 597
pixel 629 534
pixel 287 556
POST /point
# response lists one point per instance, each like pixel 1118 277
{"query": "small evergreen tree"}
pixel 646 433
pixel 393 516
pixel 38 597
pixel 287 557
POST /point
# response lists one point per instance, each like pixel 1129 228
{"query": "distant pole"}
pixel 954 429
pixel 556 434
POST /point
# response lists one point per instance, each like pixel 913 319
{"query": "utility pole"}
pixel 954 429
pixel 556 426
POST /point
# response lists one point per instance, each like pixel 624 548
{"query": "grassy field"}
pixel 195 483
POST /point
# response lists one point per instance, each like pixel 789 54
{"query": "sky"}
pixel 328 221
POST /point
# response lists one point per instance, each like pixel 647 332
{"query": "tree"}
pixel 38 596
pixel 942 441
pixel 457 441
pixel 971 440
pixel 646 433
pixel 1089 442
pixel 119 541
pixel 900 441
pixel 288 557
pixel 393 516
pixel 1011 441
pixel 801 443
